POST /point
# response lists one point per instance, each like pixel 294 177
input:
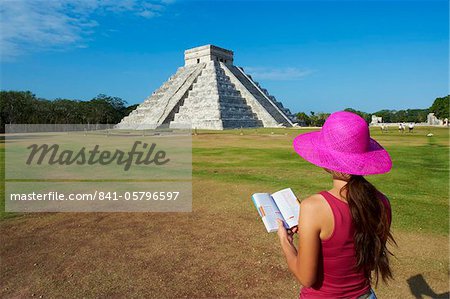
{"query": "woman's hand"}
pixel 286 234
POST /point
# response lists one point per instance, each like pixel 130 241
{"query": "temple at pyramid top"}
pixel 209 92
pixel 207 53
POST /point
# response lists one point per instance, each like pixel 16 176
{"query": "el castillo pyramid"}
pixel 209 92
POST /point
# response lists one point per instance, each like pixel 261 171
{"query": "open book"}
pixel 282 204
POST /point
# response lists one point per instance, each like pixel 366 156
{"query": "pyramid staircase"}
pixel 214 103
pixel 209 92
pixel 156 108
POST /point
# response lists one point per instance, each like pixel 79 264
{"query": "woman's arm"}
pixel 304 262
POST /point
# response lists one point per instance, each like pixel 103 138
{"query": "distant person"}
pixel 411 127
pixel 401 127
pixel 343 231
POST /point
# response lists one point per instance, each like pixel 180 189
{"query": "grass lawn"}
pixel 221 249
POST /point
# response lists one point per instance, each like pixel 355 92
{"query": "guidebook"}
pixel 282 204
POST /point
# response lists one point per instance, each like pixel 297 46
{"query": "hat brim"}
pixel 375 160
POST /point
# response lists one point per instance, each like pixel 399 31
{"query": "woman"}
pixel 342 231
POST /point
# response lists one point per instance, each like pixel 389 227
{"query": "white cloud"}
pixel 36 25
pixel 148 13
pixel 278 74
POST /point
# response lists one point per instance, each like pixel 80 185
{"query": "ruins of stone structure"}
pixel 432 120
pixel 209 92
pixel 376 120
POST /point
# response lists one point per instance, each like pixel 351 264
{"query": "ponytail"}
pixel 372 228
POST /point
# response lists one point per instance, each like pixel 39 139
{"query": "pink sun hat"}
pixel 344 145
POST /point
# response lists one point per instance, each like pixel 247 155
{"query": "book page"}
pixel 288 205
pixel 268 210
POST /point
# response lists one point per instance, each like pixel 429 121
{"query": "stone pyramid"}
pixel 209 92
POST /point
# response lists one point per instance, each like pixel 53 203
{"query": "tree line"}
pixel 440 108
pixel 23 107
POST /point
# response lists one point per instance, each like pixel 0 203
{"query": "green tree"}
pixel 129 109
pixel 303 119
pixel 367 116
pixel 318 119
pixel 409 115
pixel 440 107
pixel 65 111
pixel 16 107
pixel 106 109
pixel 321 117
pixel 23 107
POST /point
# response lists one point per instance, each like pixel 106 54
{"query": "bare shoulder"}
pixel 314 203
pixel 311 213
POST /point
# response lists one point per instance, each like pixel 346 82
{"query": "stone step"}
pixel 194 113
pixel 214 112
pixel 196 87
pixel 212 124
pixel 187 118
pixel 237 114
pixel 238 123
pixel 224 113
pixel 206 103
pixel 212 92
pixel 229 93
pixel 213 70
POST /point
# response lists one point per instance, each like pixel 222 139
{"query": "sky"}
pixel 320 56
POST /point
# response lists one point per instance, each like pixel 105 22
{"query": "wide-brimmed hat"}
pixel 344 145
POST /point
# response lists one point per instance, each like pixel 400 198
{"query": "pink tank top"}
pixel 337 276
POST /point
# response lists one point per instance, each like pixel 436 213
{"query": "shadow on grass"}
pixel 420 288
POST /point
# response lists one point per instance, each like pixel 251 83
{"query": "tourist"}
pixel 343 231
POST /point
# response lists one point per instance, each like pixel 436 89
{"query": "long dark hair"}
pixel 372 227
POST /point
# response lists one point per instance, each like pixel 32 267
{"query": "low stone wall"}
pixel 406 125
